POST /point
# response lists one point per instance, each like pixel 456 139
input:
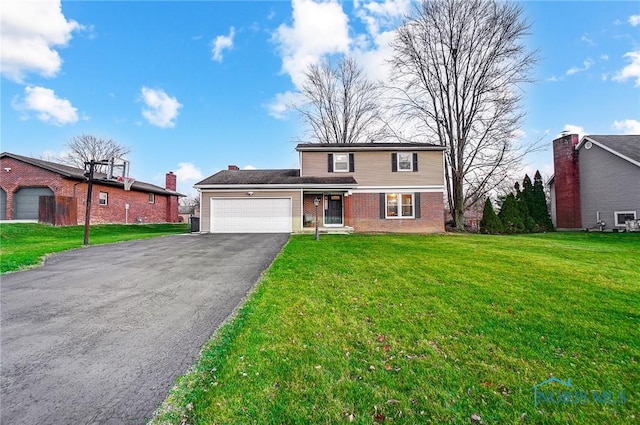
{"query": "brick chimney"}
pixel 170 181
pixel 233 167
pixel 567 182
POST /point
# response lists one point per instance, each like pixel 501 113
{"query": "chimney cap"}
pixel 233 167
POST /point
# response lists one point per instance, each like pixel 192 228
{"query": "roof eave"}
pixel 346 148
pixel 274 186
pixel 606 148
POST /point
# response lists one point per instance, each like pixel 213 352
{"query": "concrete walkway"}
pixel 98 335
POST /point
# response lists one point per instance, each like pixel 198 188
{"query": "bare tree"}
pixel 340 104
pixel 457 68
pixel 86 147
pixel 192 200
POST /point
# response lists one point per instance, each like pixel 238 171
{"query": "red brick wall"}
pixel 364 215
pixel 165 208
pixel 567 182
pixel 308 207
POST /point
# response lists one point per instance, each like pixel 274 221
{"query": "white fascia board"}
pixel 346 148
pixel 381 189
pixel 268 187
pixel 606 148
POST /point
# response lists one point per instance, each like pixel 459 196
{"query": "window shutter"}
pixel 352 166
pixel 415 161
pixel 394 162
pixel 330 164
pixel 416 206
pixel 383 205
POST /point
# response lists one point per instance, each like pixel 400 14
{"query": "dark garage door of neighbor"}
pixel 26 201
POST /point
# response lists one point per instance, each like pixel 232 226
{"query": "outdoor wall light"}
pixel 250 193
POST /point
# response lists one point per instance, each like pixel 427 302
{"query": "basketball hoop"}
pixel 128 181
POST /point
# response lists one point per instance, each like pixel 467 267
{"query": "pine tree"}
pixel 490 222
pixel 510 215
pixel 540 210
pixel 524 205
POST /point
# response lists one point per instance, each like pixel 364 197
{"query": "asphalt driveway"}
pixel 98 335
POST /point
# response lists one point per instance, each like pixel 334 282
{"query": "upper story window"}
pixel 404 161
pixel 103 197
pixel 152 198
pixel 341 163
pixel 622 216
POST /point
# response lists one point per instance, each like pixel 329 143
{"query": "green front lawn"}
pixel 428 329
pixel 26 244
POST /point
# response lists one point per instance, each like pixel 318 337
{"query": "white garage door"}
pixel 250 215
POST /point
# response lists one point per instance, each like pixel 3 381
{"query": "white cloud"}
pixel 48 107
pixel 588 63
pixel 628 126
pixel 385 14
pixel 30 31
pixel 587 39
pixel 632 70
pixel 318 29
pixel 187 172
pixel 222 43
pixel 574 129
pixel 280 106
pixel 634 20
pixel 161 109
pixel 249 167
pixel 604 57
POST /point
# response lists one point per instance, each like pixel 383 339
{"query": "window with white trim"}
pixel 405 161
pixel 622 216
pixel 102 198
pixel 399 205
pixel 152 198
pixel 341 163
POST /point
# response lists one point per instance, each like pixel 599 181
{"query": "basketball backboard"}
pixel 118 168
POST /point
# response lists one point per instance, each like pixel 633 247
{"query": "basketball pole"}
pixel 90 176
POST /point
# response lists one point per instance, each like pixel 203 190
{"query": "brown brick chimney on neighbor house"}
pixel 172 203
pixel 233 167
pixel 567 182
pixel 170 181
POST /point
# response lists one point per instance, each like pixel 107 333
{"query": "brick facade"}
pixel 362 212
pixel 364 215
pixel 567 182
pixel 21 175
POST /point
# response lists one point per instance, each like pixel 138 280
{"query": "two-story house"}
pixel 368 187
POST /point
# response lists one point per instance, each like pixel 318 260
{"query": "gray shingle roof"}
pixel 627 145
pixel 259 177
pixel 78 174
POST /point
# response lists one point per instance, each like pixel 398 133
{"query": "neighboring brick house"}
pixel 596 181
pixel 24 180
pixel 361 187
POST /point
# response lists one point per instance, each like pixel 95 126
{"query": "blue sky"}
pixel 195 86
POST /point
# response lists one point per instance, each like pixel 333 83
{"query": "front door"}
pixel 333 213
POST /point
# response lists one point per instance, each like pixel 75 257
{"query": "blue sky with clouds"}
pixel 195 86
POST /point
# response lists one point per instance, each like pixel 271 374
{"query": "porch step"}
pixel 346 230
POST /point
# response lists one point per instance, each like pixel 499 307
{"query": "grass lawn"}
pixel 26 244
pixel 428 329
